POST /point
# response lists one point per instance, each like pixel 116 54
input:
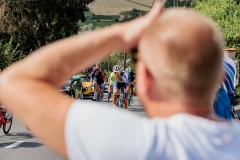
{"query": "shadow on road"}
pixel 17 136
pixel 22 145
pixel 30 144
pixel 136 109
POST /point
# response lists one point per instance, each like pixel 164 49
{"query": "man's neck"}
pixel 168 109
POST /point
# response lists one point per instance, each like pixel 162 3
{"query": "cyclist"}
pixel 225 97
pixel 131 78
pixel 97 78
pixel 119 79
pixel 230 73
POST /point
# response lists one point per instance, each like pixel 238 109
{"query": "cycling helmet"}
pixel 128 70
pixel 117 68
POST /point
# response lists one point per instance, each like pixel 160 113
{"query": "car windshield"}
pixel 85 79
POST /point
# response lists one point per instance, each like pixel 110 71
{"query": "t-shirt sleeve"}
pixel 97 131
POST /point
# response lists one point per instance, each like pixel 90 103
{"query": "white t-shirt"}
pixel 97 132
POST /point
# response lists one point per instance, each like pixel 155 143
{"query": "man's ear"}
pixel 146 88
pixel 141 79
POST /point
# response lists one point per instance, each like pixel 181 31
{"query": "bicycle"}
pixel 130 95
pixel 6 123
pixel 120 98
pixel 99 96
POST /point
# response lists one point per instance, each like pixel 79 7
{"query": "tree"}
pixel 8 54
pixel 183 3
pixel 132 14
pixel 116 58
pixel 226 14
pixel 34 24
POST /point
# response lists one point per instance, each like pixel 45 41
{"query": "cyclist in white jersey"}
pixel 119 79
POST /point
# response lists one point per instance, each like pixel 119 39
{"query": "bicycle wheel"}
pixel 7 125
pixel 234 115
pixel 129 99
pixel 120 102
pixel 98 98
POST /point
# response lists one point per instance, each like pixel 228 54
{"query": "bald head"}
pixel 182 50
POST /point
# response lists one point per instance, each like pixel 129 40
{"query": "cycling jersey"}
pixel 112 78
pixel 123 78
pixel 131 76
pixel 98 76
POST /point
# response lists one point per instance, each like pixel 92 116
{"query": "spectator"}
pixel 225 96
pixel 179 68
pixel 229 79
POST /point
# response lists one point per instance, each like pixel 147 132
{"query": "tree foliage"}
pixel 8 54
pixel 134 13
pixel 31 25
pixel 116 58
pixel 226 14
pixel 184 3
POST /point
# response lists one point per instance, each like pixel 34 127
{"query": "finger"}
pixel 156 10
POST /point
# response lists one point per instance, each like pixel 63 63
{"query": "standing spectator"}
pixel 229 79
pixel 225 96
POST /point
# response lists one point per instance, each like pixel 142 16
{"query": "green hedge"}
pixel 226 13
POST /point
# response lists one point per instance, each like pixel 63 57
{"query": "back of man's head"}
pixel 182 51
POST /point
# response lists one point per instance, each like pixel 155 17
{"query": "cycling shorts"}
pixel 118 85
pixel 99 81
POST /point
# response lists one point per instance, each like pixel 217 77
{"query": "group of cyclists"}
pixel 118 79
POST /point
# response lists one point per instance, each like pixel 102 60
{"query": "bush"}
pixel 184 3
pixel 104 17
pixel 8 54
pixel 226 14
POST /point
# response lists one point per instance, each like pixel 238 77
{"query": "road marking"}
pixel 14 144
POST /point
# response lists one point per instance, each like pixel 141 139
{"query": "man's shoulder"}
pixel 229 61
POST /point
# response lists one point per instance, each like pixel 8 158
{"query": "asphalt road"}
pixel 20 144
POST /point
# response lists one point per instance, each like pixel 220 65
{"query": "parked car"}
pixel 79 87
pixel 84 87
pixel 67 88
pixel 73 87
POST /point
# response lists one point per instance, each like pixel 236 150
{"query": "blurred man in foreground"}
pixel 179 69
